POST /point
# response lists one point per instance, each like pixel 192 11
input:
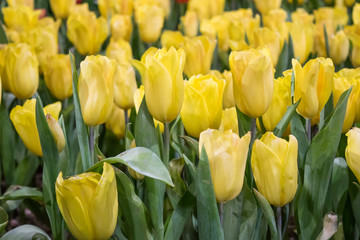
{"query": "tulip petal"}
pixel 53 109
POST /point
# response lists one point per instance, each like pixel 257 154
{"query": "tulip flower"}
pixel 120 50
pixel 58 76
pixel 354 36
pixel 85 31
pixel 276 20
pixel 121 27
pixel 150 20
pixel 163 4
pixel 138 97
pixel 199 53
pixel 313 85
pixel 124 86
pixel 109 8
pixel 302 35
pixel 161 73
pixel 217 27
pixel 96 83
pixel 356 14
pixel 206 9
pixel 202 107
pixel 24 121
pixel 267 37
pixel 229 120
pixel 116 122
pixel 172 39
pixel 301 15
pixel 274 165
pixel 89 203
pixel 20 18
pixel 14 3
pixel 61 8
pixel 20 74
pixel 266 6
pixel 253 76
pixel 227 154
pixel 56 132
pixel 339 47
pixel 190 23
pixel 352 151
pixel 228 99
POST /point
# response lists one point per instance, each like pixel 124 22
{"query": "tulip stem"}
pixel 279 221
pixel 253 131
pixel 308 129
pixel 166 143
pixel 126 118
pixel 92 142
pixel 221 212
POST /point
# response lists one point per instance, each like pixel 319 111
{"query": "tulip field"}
pixel 180 119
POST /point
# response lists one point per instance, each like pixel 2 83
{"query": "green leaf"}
pixel 3 37
pixel 67 164
pixel 268 213
pixel 282 64
pixel 209 226
pixel 26 232
pixel 136 222
pixel 285 120
pixel 339 185
pixel 194 144
pixel 327 46
pixel 21 192
pixel 176 167
pixel 141 160
pixel 243 123
pixel 80 125
pixel 4 219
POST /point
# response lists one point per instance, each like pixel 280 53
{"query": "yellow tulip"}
pixel 120 50
pixel 267 37
pixel 121 27
pixel 266 6
pixel 356 14
pixel 302 35
pixel 56 132
pixel 89 203
pixel 313 85
pixel 20 74
pixel 96 89
pixel 199 53
pixel 116 122
pixel 14 3
pixel 206 9
pixel 202 107
pixel 162 75
pixel 150 20
pixel 352 153
pixel 172 38
pixel 339 47
pixel 228 100
pixel 348 3
pixel 124 86
pixel 276 20
pixel 354 36
pixel 229 120
pixel 58 76
pixel 85 31
pixel 280 101
pixel 217 27
pixel 301 15
pixel 20 18
pixel 138 97
pixel 61 8
pixel 24 120
pixel 227 154
pixel 274 164
pixel 190 23
pixel 109 8
pixel 163 4
pixel 253 76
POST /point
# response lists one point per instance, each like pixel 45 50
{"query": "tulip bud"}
pixel 303 36
pixel 121 27
pixel 313 85
pixel 116 122
pixel 161 73
pixel 81 202
pixel 190 23
pixel 85 31
pixel 253 76
pixel 56 132
pixel 150 20
pixel 227 154
pixel 24 121
pixel 20 74
pixel 138 97
pixel 20 18
pixel 266 37
pixel 266 6
pixel 61 8
pixel 274 164
pixel 124 86
pixel 339 47
pixel 202 107
pixel 96 83
pixel 229 120
pixel 120 50
pixel 352 151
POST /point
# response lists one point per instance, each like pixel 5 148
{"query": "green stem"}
pixel 253 131
pixel 92 143
pixel 221 212
pixel 166 143
pixel 279 221
pixel 308 129
pixel 126 115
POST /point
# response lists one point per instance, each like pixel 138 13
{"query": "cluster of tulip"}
pixel 246 108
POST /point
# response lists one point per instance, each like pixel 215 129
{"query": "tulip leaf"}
pixel 243 122
pixel 318 167
pixel 25 170
pixel 285 120
pixel 209 226
pixel 80 125
pixel 3 37
pixel 194 144
pixel 26 232
pixel 354 193
pixel 3 219
pixel 268 213
pixel 134 212
pixel 175 168
pixel 327 46
pixel 283 61
pixel 23 193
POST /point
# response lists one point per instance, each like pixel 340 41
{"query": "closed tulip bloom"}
pixel 266 6
pixel 227 154
pixel 202 107
pixel 108 8
pixel 274 165
pixel 61 8
pixel 121 27
pixel 124 86
pixel 253 76
pixel 313 85
pixel 13 3
pixel 24 121
pixel 120 50
pixel 58 76
pixel 356 14
pixel 96 89
pixel 20 74
pixel 150 20
pixel 267 37
pixel 138 97
pixel 229 120
pixel 217 27
pixel 162 75
pixel 276 20
pixel 85 31
pixel 163 4
pixel 56 132
pixel 339 47
pixel 89 203
pixel 20 18
pixel 116 122
pixel 172 39
pixel 301 15
pixel 303 36
pixel 206 9
pixel 228 99
pixel 354 36
pixel 199 54
pixel 190 23
pixel 352 151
